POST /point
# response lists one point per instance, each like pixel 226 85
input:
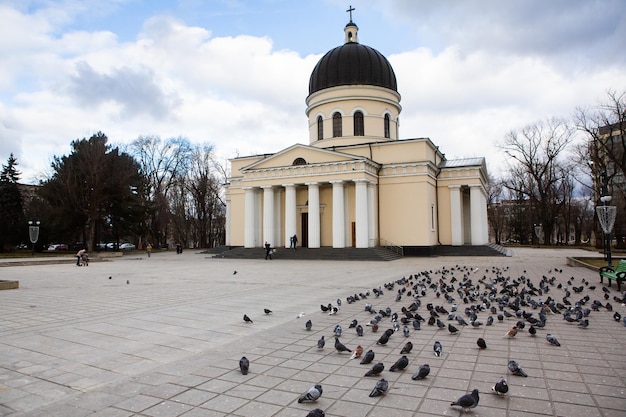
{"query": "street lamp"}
pixel 606 215
pixel 33 232
pixel 538 228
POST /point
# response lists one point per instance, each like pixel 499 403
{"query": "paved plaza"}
pixel 163 336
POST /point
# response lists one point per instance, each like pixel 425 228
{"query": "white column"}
pixel 456 215
pixel 278 215
pixel 290 212
pixel 361 216
pixel 268 215
pixel 371 221
pixel 228 214
pixel 314 215
pixel 339 226
pixel 249 218
pixel 478 215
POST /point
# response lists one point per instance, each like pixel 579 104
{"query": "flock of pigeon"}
pixel 462 297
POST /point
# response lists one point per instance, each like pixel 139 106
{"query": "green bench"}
pixel 618 274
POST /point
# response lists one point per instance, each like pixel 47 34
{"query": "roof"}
pixel 465 162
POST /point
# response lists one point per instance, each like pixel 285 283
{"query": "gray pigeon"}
pixel 516 369
pixel 501 387
pixel 380 389
pixel 422 372
pixel 400 364
pixel 376 369
pixel 340 346
pixel 311 395
pixel 437 348
pixel 552 339
pixel 368 358
pixel 308 325
pixel 321 343
pixel 244 365
pixel 318 412
pixel 359 330
pixel 468 400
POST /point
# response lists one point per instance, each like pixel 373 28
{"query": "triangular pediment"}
pixel 300 154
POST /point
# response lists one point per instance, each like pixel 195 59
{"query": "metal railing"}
pixel 390 246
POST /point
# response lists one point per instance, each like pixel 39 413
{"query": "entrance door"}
pixel 304 218
pixel 353 234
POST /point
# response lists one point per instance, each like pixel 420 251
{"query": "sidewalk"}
pixel 162 336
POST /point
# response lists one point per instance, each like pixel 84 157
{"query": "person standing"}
pixel 268 251
pixel 149 249
pixel 295 241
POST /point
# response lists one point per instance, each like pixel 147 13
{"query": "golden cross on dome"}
pixel 350 10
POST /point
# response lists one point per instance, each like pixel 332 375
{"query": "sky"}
pixel 235 73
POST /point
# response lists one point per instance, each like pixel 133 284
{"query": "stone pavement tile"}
pixel 196 397
pixel 438 407
pixel 569 410
pixel 164 390
pixel 258 409
pixel 582 398
pixel 95 400
pixel 61 409
pixel 112 412
pixel 217 386
pixel 224 403
pixel 347 408
pixel 167 409
pixel 138 403
pixel 530 406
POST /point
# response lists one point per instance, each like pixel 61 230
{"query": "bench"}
pixel 618 274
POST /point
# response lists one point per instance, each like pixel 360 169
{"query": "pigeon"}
pixel 617 316
pixel 299 316
pixel 452 329
pixel 552 339
pixel 585 323
pixel 437 348
pixel 383 339
pixel 368 358
pixel 267 311
pixel 380 388
pixel 353 324
pixel 400 364
pixel 501 387
pixel 338 330
pixel 358 351
pixel 308 325
pixel 516 369
pixel 340 346
pixel 311 395
pixel 321 343
pixel 406 331
pixel 467 401
pixel 481 343
pixel 318 412
pixel 376 369
pixel 247 319
pixel 127 282
pixel 244 365
pixel 325 308
pixel 421 373
pixel 110 277
pixel 359 330
pixel 532 330
pixel 511 333
pixel 407 348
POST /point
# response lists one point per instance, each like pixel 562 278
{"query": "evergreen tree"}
pixel 11 205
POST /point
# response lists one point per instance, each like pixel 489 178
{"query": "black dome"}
pixel 352 64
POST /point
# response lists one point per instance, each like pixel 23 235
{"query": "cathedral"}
pixel 356 184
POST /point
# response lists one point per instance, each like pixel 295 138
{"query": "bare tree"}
pixel 539 169
pixel 163 163
pixel 604 151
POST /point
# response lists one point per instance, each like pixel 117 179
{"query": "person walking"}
pixel 268 251
pixel 79 256
pixel 149 249
pixel 295 241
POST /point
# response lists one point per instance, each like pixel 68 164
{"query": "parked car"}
pixel 57 247
pixel 127 246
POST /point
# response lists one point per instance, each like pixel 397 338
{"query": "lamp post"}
pixel 606 215
pixel 538 228
pixel 33 233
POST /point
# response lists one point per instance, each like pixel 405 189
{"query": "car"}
pixel 57 246
pixel 127 246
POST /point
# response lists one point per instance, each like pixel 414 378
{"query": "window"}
pixel 337 125
pixel 387 134
pixel 320 128
pixel 359 130
pixel 299 161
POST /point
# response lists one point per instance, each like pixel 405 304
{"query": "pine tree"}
pixel 11 205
